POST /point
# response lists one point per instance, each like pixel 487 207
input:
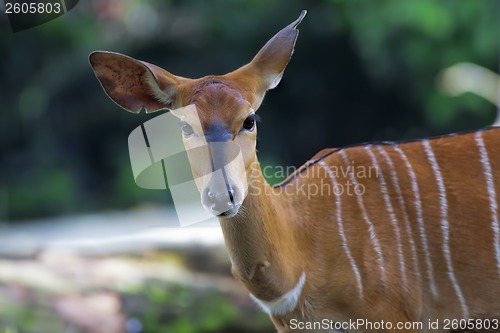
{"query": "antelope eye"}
pixel 187 130
pixel 249 123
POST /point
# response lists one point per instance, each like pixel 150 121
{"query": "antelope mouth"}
pixel 230 212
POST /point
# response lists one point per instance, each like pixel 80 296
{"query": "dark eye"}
pixel 249 123
pixel 187 130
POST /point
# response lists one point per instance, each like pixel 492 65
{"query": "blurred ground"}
pixel 117 273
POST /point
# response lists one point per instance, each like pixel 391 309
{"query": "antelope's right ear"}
pixel 270 62
pixel 133 84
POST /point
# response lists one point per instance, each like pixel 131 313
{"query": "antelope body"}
pixel 387 232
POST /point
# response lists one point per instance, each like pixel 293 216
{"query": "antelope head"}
pixel 224 118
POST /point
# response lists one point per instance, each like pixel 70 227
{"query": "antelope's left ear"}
pixel 269 64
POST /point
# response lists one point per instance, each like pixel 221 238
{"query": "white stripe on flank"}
pixel 402 206
pixel 340 224
pixel 284 304
pixel 490 184
pixel 390 211
pixel 420 220
pixel 371 227
pixel 445 227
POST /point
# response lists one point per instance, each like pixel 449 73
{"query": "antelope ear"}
pixel 269 64
pixel 133 84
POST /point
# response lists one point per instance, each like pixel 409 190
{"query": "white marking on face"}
pixel 445 226
pixel 371 227
pixel 340 225
pixel 392 215
pixel 285 303
pixel 490 185
pixel 420 220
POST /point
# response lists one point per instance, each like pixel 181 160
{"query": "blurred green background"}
pixel 362 70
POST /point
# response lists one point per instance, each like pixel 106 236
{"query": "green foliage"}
pixel 182 309
pixel 421 38
pixel 38 317
pixel 47 194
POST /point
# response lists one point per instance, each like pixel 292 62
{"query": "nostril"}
pixel 211 195
pixel 218 197
pixel 231 195
pixel 220 201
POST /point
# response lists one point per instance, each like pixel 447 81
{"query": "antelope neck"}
pixel 261 243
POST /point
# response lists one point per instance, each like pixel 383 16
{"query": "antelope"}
pixel 376 233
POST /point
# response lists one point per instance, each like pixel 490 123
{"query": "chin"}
pixel 233 211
